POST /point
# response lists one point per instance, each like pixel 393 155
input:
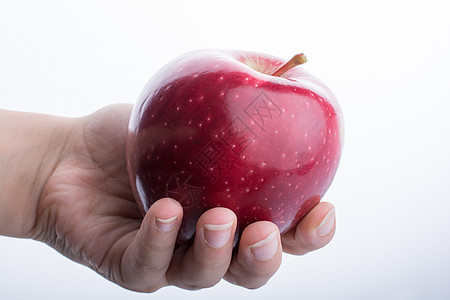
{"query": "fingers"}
pixel 150 262
pixel 207 260
pixel 258 257
pixel 314 231
pixel 147 259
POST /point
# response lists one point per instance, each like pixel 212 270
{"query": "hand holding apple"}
pixel 240 130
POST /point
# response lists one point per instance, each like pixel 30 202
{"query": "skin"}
pixel 64 182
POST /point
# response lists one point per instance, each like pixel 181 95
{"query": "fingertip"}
pixel 318 223
pixel 259 255
pixel 262 239
pixel 165 208
pixel 327 226
pixel 217 225
pixel 313 232
pixel 218 216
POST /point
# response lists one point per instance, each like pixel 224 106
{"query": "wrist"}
pixel 31 146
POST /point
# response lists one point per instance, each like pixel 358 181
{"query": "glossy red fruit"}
pixel 215 128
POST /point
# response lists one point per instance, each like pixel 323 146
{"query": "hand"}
pixel 87 212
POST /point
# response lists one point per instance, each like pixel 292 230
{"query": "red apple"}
pixel 241 130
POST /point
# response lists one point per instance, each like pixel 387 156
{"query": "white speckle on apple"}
pixel 208 119
pixel 242 178
pixel 200 125
pixel 236 96
pixel 261 180
pixel 228 189
pixel 247 190
pixel 195 75
pixel 222 94
pixel 175 146
pixel 221 78
pixel 246 78
pixel 256 85
pixel 190 100
pixel 283 155
pixel 316 182
pixel 306 134
pixel 263 164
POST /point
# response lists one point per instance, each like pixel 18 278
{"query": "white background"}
pixel 388 63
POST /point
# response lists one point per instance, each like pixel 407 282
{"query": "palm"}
pixel 88 198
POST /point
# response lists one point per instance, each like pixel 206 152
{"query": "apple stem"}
pixel 296 60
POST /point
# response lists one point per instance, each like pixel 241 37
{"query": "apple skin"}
pixel 213 128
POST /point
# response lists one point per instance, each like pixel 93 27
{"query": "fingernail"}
pixel 265 250
pixel 165 225
pixel 327 224
pixel 217 235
